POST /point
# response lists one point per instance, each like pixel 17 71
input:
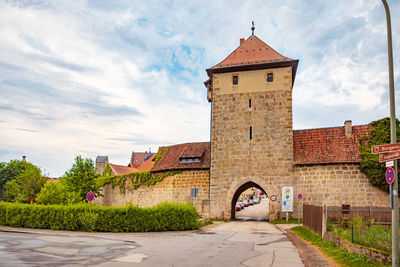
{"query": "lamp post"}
pixel 393 139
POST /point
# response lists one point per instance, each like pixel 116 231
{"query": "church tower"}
pixel 251 124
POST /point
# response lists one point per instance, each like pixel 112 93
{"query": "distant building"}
pixel 140 161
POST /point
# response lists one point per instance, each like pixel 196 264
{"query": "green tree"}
pixel 10 170
pixel 30 183
pixel 370 164
pixel 11 190
pixel 81 178
pixel 27 184
pixel 57 193
pixel 52 193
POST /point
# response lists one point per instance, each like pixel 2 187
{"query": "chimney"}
pixel 241 41
pixel 347 129
pixel 23 159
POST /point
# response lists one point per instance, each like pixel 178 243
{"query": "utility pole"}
pixel 393 139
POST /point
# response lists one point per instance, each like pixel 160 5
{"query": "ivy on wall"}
pixel 137 179
pixel 370 164
pixel 107 171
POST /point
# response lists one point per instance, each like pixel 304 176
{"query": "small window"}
pixel 235 80
pixel 249 103
pixel 270 77
pixel 251 132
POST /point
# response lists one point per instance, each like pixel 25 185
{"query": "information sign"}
pixel 389 156
pixel 287 199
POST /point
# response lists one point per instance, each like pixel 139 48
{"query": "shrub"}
pixel 87 217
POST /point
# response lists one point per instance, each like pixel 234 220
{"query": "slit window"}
pixel 270 77
pixel 251 132
pixel 249 103
pixel 235 80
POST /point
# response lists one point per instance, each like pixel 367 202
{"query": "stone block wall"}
pixel 175 188
pixel 337 184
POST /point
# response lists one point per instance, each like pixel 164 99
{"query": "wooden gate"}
pixel 313 218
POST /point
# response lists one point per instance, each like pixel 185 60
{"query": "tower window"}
pixel 249 103
pixel 235 80
pixel 270 77
pixel 251 132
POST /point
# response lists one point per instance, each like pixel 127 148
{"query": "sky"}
pixel 111 77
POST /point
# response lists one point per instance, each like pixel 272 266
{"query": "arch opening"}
pixel 252 209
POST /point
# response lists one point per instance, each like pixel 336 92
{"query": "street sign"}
pixel 287 199
pixel 389 163
pixel 299 196
pixel 390 175
pixel 194 192
pixel 389 156
pixel 90 196
pixel 272 197
pixel 385 148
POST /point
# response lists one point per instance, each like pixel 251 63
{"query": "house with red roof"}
pixel 253 145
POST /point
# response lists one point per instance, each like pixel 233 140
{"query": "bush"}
pixel 56 193
pixel 87 217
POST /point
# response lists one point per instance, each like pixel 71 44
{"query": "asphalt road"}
pixel 249 243
pixel 256 212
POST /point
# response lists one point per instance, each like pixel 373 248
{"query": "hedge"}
pixel 88 217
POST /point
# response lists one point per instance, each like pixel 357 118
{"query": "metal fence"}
pixel 313 218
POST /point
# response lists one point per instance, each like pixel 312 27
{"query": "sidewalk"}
pixel 311 255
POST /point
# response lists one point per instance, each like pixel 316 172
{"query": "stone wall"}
pixel 337 184
pixel 267 158
pixel 175 188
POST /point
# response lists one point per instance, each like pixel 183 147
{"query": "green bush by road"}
pixel 87 217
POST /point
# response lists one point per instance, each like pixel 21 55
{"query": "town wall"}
pixel 175 188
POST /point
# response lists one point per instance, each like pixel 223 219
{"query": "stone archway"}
pixel 239 191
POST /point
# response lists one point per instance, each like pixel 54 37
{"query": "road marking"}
pixel 136 258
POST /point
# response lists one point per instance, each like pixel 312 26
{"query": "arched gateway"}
pixel 238 193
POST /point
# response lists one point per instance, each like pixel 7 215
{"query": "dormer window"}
pixel 270 77
pixel 235 80
pixel 189 160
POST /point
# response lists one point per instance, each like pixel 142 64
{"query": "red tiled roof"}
pixel 119 169
pixel 148 164
pixel 171 161
pixel 138 158
pixel 328 145
pixel 252 51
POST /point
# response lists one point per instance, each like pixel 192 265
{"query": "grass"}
pixel 290 221
pixel 377 237
pixel 340 255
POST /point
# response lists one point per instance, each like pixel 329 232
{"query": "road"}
pixel 249 243
pixel 256 212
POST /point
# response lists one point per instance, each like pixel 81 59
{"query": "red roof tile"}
pixel 328 145
pixel 147 165
pixel 119 169
pixel 252 51
pixel 171 161
pixel 138 158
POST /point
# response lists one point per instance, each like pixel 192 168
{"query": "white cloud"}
pixel 78 77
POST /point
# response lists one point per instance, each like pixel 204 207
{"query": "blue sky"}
pixel 108 77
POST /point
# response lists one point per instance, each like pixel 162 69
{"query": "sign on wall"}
pixel 287 199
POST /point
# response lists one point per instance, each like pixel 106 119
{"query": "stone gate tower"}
pixel 251 124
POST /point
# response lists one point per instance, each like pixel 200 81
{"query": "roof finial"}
pixel 252 28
